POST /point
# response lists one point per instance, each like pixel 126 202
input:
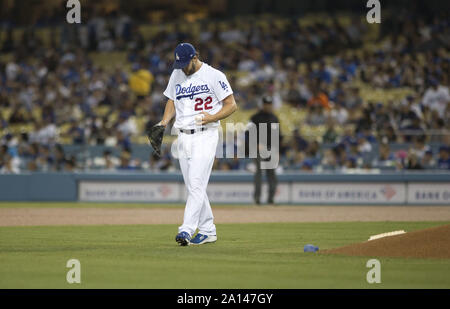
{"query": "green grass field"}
pixel 245 256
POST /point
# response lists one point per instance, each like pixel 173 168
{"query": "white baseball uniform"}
pixel 202 91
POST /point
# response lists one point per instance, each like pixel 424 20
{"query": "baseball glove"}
pixel 155 136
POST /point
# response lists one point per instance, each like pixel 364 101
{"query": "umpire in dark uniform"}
pixel 264 115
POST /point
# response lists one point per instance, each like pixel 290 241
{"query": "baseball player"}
pixel 199 96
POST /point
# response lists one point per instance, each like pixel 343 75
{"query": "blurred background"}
pixel 350 96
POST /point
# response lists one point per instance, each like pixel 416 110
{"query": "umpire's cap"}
pixel 184 53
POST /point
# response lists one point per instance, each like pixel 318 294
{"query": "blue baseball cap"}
pixel 184 53
pixel 307 163
pixel 352 159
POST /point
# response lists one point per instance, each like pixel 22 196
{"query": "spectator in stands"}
pixel 341 153
pixel 19 116
pixel 340 113
pixel 44 159
pixel 316 116
pixel 110 162
pixel 354 99
pixel 413 161
pixel 45 132
pixel 437 97
pixel 141 81
pixel 3 153
pixel 353 149
pixel 3 122
pixel 322 74
pixel 414 128
pixel 389 135
pixel 125 162
pixel 224 166
pixel 31 156
pixel 293 95
pixel 122 141
pixel 419 146
pixel 382 117
pixel 439 131
pixel 299 143
pixel 59 82
pixel 154 163
pixel 313 151
pixel 329 160
pixel 307 166
pixel 351 163
pixel 319 98
pixel 364 146
pixel 70 164
pixel 8 43
pixel 59 158
pixel 166 162
pixel 297 160
pixel 97 131
pixel 330 135
pixel 428 161
pixel 75 132
pixel 23 146
pixel 235 164
pixel 126 125
pixel 385 157
pixel 348 135
pixel 9 164
pixel 443 161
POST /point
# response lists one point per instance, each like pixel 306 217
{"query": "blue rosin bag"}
pixel 310 248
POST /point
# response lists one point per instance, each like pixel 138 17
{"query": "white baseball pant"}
pixel 196 153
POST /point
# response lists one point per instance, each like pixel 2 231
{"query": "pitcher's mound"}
pixel 429 243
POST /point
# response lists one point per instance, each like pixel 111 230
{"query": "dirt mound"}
pixel 429 243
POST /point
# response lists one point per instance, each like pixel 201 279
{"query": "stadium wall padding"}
pixel 294 188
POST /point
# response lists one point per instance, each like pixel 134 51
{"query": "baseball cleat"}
pixel 183 238
pixel 200 239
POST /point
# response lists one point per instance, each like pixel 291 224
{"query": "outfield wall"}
pixel 323 189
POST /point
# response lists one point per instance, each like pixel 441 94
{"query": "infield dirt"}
pixel 428 243
pixel 222 214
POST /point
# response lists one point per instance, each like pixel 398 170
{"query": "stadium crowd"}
pixel 57 93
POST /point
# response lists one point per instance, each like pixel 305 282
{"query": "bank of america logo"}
pixel 165 190
pixel 388 192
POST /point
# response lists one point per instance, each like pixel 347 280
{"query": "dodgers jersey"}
pixel 202 91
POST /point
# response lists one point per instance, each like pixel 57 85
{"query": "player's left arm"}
pixel 229 106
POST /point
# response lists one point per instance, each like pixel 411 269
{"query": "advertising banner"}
pixel 242 192
pixel 93 191
pixel 428 193
pixel 348 193
pixel 287 193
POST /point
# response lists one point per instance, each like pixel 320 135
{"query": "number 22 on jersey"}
pixel 202 105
